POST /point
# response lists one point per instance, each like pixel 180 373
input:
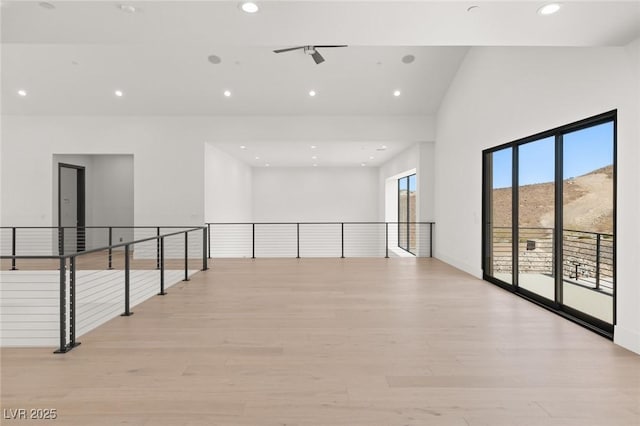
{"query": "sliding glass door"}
pixel 407 238
pixel 549 219
pixel 498 246
pixel 536 216
pixel 588 221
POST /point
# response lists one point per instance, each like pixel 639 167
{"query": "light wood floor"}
pixel 332 342
pixel 99 260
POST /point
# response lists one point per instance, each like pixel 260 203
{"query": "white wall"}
pixel 109 198
pixel 400 165
pixel 426 182
pixel 418 158
pixel 227 187
pixel 168 155
pixel 113 196
pixel 315 194
pixel 503 94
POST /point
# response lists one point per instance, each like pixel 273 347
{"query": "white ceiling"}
pixel 159 79
pixel 327 153
pixel 72 58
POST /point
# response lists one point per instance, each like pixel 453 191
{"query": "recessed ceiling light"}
pixel 46 5
pixel 227 93
pixel 119 93
pixel 371 158
pixel 312 93
pixel 363 164
pixel 249 7
pixel 549 9
pixel 257 158
pixel 267 165
pixel 396 93
pixel 243 147
pixel 22 92
pixel 214 59
pixel 315 165
pixel 407 59
pixel 313 147
pixel 127 8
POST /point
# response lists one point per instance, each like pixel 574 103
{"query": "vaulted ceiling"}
pixel 70 57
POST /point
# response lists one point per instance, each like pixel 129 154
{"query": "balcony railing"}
pixel 587 259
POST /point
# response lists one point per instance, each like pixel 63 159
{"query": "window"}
pixel 407 213
pixel 549 219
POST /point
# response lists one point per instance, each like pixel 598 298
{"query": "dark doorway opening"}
pixel 71 208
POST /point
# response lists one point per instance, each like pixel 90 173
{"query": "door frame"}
pixel 80 191
pixel 557 306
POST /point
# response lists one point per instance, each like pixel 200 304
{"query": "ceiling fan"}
pixel 309 50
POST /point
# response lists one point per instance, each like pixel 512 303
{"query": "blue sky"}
pixel 584 151
pixel 412 183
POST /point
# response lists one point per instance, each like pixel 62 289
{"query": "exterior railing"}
pixel 587 259
pixel 103 288
pixel 316 239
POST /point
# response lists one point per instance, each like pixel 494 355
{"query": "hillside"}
pixel 588 203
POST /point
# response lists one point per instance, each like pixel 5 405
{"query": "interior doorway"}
pixel 71 208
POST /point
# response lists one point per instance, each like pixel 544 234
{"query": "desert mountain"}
pixel 588 203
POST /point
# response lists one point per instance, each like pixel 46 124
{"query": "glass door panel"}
pixel 588 225
pixel 498 204
pixel 536 217
pixel 412 246
pixel 403 226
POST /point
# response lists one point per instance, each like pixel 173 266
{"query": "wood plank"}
pixel 332 341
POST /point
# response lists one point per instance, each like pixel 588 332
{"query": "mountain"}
pixel 588 203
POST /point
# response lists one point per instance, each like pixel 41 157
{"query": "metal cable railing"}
pixel 587 257
pixel 317 239
pixel 91 284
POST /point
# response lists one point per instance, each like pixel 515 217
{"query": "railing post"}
pixel 342 239
pixel 110 249
pixel 162 292
pixel 157 248
pixel 13 248
pixel 205 266
pixel 253 240
pixel 61 241
pixel 298 240
pixel 598 261
pixel 430 239
pixel 186 256
pixel 63 307
pixel 386 240
pixel 72 303
pixel 127 311
pixel 209 239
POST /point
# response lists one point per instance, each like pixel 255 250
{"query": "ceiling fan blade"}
pixel 323 46
pixel 317 57
pixel 288 49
